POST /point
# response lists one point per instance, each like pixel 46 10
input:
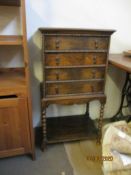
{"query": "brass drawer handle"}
pixel 57 61
pixel 93 74
pixel 96 44
pixel 57 75
pixel 94 60
pixel 57 43
pixel 56 90
pixel 92 89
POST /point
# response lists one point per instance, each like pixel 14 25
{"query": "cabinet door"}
pixel 14 127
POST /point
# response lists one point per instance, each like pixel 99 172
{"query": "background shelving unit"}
pixel 16 129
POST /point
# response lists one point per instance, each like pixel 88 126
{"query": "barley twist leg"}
pixel 100 123
pixel 44 131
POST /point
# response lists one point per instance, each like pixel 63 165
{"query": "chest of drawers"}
pixel 74 69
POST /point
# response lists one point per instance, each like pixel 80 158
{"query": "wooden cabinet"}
pixel 14 130
pixel 74 69
pixel 10 2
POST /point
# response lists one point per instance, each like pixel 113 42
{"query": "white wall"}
pixel 103 14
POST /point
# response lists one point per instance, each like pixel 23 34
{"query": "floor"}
pixel 53 161
pixel 79 154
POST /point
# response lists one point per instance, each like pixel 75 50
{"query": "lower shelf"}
pixel 70 128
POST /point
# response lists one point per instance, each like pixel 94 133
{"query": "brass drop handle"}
pixel 57 43
pixel 94 60
pixel 57 75
pixel 93 74
pixel 56 90
pixel 96 44
pixel 92 88
pixel 57 61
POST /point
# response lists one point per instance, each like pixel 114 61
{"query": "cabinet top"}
pixel 76 30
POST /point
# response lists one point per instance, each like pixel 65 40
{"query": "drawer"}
pixel 75 43
pixel 74 74
pixel 74 88
pixel 75 59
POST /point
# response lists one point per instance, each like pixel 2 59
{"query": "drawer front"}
pixel 74 88
pixel 75 59
pixel 75 43
pixel 74 74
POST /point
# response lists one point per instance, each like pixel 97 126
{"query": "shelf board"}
pixel 12 81
pixel 11 40
pixel 9 2
pixel 70 128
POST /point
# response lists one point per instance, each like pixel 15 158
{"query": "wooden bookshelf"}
pixel 15 95
pixel 9 2
pixel 11 40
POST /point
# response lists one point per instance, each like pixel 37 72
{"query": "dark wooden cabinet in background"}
pixel 74 66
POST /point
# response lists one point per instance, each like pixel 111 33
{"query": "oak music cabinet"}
pixel 74 67
pixel 16 128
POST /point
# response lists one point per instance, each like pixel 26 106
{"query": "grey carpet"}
pixel 52 162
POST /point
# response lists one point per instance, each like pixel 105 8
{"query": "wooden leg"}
pixel 44 129
pixel 87 110
pixel 100 122
pixel 33 156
